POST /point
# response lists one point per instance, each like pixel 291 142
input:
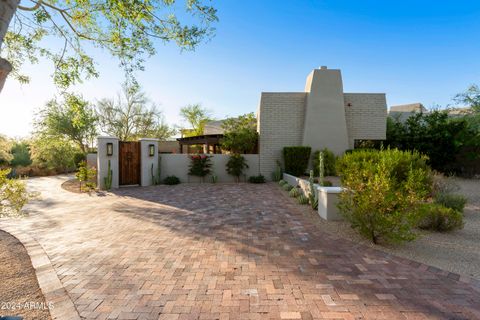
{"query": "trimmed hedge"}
pixel 296 159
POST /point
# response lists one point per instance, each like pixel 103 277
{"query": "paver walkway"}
pixel 237 251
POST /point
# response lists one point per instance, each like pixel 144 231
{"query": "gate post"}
pixel 104 157
pixel 147 160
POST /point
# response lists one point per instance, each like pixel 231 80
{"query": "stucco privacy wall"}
pixel 178 165
pixel 280 123
pixel 366 115
pixel 148 161
pixel 103 159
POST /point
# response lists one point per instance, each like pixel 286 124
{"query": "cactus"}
pixel 108 178
pixel 277 174
pixel 312 196
pixel 214 178
pixel 321 168
pixel 302 199
pixel 295 192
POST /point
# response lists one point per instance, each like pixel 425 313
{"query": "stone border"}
pixel 51 286
pixel 473 282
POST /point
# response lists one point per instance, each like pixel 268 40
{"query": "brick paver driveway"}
pixel 237 251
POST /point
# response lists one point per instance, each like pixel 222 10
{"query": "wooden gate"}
pixel 129 162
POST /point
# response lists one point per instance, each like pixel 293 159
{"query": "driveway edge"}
pixel 51 286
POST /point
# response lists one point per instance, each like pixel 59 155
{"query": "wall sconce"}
pixel 151 150
pixel 109 149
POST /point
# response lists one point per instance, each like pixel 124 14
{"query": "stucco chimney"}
pixel 323 68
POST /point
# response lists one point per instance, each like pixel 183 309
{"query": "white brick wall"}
pixel 280 124
pixel 366 116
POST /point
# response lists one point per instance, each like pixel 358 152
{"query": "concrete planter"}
pixel 327 197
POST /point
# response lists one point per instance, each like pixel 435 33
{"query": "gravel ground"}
pixel 20 294
pixel 457 251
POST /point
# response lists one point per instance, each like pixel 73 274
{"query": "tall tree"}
pixel 125 28
pixel 132 116
pixel 240 134
pixel 470 98
pixel 197 117
pixel 71 118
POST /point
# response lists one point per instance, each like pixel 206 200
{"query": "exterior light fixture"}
pixel 109 149
pixel 151 150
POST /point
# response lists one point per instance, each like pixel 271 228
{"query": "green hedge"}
pixel 296 160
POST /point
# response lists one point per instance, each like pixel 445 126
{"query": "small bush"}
pixel 433 216
pixel 302 199
pixel 287 187
pixel 78 158
pixel 13 195
pixel 327 183
pixel 200 165
pixel 277 174
pixel 295 192
pixel 383 190
pixel 329 160
pixel 235 165
pixel 257 179
pixel 296 160
pixel 171 180
pixel 453 201
pixel 282 182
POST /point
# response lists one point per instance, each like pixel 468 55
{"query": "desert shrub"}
pixel 295 192
pixel 13 195
pixel 235 166
pixel 257 179
pixel 383 189
pixel 302 199
pixel 453 201
pixel 296 160
pixel 282 182
pixel 171 180
pixel 437 217
pixel 21 154
pixel 287 187
pixel 277 174
pixel 327 183
pixel 443 184
pixel 87 175
pixel 328 162
pixel 200 165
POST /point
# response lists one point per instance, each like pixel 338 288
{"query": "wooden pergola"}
pixel 210 142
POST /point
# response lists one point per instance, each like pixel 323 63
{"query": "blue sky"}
pixel 414 51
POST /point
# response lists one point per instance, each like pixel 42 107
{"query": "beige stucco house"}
pixel 323 116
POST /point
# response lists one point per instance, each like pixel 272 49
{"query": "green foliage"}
pixel 257 179
pixel 155 176
pixel 282 182
pixel 287 187
pixel 125 29
pixel 171 180
pixel 71 118
pixel 235 165
pixel 471 98
pixel 53 153
pixel 302 199
pixel 78 158
pixel 437 217
pixel 383 189
pixel 456 202
pixel 296 160
pixel 197 117
pixel 108 179
pixel 13 195
pixel 214 178
pixel 313 194
pixel 435 135
pixel 86 174
pixel 328 162
pixel 277 174
pixel 294 192
pixel 132 116
pixel 5 150
pixel 327 183
pixel 200 165
pixel 240 134
pixel 21 154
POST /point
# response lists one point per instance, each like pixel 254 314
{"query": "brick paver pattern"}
pixel 225 251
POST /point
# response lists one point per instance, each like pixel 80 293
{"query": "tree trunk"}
pixel 7 10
